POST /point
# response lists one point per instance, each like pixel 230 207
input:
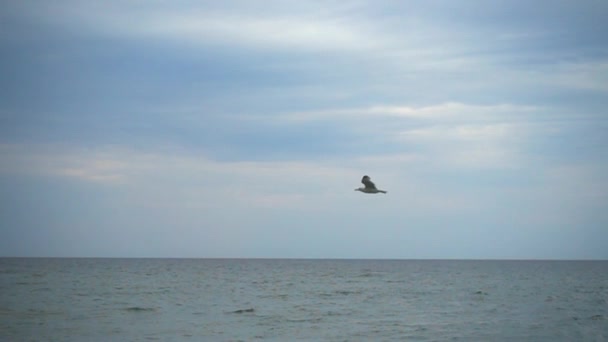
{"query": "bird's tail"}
pixel 382 191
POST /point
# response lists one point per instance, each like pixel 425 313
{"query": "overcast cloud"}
pixel 240 129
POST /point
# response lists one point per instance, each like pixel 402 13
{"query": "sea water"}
pixel 309 300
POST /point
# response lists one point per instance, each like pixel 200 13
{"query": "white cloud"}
pixel 430 106
pixel 585 76
pixel 277 26
pixel 406 53
pixel 441 112
pixel 467 146
pixel 175 179
pixel 584 183
pixel 181 191
pixel 455 134
pixel 479 133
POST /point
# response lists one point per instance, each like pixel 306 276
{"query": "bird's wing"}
pixel 368 183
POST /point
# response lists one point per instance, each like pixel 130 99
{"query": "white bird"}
pixel 370 188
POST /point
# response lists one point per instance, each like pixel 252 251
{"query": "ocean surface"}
pixel 309 300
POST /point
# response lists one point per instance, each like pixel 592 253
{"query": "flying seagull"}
pixel 370 188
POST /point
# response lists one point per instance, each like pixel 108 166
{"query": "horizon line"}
pixel 302 258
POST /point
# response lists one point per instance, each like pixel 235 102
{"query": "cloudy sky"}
pixel 241 129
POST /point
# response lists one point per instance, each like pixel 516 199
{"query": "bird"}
pixel 370 188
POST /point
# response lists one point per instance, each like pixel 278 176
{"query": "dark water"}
pixel 319 300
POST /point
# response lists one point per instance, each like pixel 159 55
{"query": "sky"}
pixel 239 129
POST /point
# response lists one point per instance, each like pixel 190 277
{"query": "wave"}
pixel 139 309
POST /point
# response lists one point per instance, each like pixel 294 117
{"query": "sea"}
pixel 72 299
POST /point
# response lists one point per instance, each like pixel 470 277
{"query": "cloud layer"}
pixel 238 129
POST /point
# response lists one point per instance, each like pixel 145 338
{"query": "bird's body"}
pixel 370 187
